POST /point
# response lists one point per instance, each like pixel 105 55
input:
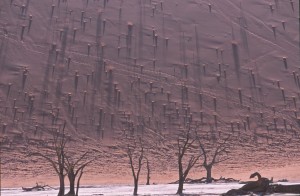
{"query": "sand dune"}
pixel 111 70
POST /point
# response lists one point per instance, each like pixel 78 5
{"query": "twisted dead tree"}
pixel 63 161
pixel 184 144
pixel 217 156
pixel 54 154
pixel 73 168
pixel 132 153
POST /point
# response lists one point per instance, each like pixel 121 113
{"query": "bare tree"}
pixel 217 156
pixel 130 152
pixel 56 149
pixel 56 153
pixel 185 143
pixel 74 168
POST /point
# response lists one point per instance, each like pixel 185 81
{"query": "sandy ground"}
pixel 109 71
pixel 166 189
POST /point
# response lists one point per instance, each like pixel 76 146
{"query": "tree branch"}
pixel 222 160
pixel 83 166
pixel 193 160
pixel 140 161
pixel 53 163
pixel 129 153
pixel 204 153
pixel 82 157
pixel 220 149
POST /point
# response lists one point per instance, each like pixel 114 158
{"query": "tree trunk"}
pixel 208 174
pixel 135 186
pixel 148 173
pixel 61 172
pixel 148 179
pixel 61 186
pixel 180 186
pixel 71 177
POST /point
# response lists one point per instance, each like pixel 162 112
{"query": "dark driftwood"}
pixel 204 180
pixel 259 186
pixel 35 188
pixel 274 188
pixel 279 188
pixel 263 186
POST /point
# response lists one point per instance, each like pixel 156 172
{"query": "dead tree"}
pixel 55 149
pixel 135 174
pixel 73 168
pixel 220 151
pixel 184 144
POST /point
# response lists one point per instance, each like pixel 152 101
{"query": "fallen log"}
pixel 279 188
pixel 35 188
pixel 259 186
pixel 204 180
pixel 263 186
